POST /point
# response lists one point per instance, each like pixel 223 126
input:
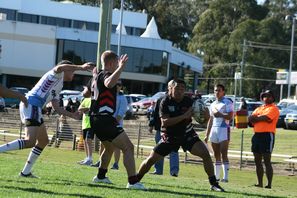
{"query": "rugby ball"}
pixel 200 112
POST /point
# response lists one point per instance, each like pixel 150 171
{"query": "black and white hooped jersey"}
pixel 103 98
pixel 46 89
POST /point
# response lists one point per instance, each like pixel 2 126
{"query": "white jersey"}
pixel 47 89
pixel 224 106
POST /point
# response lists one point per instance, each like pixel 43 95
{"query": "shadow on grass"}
pixel 36 190
pixel 113 187
pixel 220 194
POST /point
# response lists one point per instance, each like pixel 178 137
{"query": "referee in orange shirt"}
pixel 264 119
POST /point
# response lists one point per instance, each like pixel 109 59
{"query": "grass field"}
pixel 60 176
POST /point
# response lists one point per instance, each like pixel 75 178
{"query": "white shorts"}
pixel 31 116
pixel 219 134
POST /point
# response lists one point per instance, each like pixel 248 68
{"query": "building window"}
pixel 140 60
pixel 55 21
pixel 92 26
pixel 10 14
pixel 30 18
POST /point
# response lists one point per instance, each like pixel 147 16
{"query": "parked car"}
pixel 14 102
pixel 138 96
pixel 291 120
pixel 283 113
pixel 284 103
pixel 142 105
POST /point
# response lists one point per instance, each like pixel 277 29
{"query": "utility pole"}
pixel 241 66
pixel 104 34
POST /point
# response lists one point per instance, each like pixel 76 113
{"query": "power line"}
pixel 231 78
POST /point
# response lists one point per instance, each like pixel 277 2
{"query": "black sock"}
pixel 139 177
pixel 212 180
pixel 101 173
pixel 133 179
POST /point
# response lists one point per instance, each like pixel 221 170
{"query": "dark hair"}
pixel 65 62
pixel 221 86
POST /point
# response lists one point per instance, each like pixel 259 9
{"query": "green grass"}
pixel 285 141
pixel 62 177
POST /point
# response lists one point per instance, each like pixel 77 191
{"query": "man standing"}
pixel 46 90
pixel 264 119
pixel 103 123
pixel 177 131
pixel 218 130
pixel 155 122
pixel 88 134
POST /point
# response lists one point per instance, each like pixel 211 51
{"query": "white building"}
pixel 36 34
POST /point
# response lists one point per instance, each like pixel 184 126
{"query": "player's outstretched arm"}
pixel 69 67
pixel 7 93
pixel 62 111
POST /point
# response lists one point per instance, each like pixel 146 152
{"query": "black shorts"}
pixel 105 127
pixel 88 133
pixel 263 142
pixel 167 144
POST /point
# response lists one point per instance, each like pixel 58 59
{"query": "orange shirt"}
pixel 270 111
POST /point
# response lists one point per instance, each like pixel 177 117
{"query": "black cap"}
pixel 267 92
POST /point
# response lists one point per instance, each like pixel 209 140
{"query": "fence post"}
pixel 74 142
pixel 21 129
pixel 138 139
pixel 241 150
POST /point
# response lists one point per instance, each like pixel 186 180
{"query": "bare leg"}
pixel 148 163
pixel 269 169
pixel 259 169
pixel 123 142
pixel 199 149
pixel 217 154
pixel 117 155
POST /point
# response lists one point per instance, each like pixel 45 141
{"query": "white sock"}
pixel 14 145
pixel 34 154
pixel 226 170
pixel 218 166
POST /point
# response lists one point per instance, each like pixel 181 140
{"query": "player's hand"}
pixel 151 129
pixel 89 66
pixel 123 60
pixel 206 139
pixel 76 115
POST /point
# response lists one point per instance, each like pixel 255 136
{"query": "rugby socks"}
pixel 14 145
pixel 101 173
pixel 35 153
pixel 212 180
pixel 226 170
pixel 218 166
pixel 139 177
pixel 133 179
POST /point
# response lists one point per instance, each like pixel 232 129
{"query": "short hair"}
pixel 108 56
pixel 221 86
pixel 174 82
pixel 62 62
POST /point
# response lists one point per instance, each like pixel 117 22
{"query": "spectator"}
pixel 264 119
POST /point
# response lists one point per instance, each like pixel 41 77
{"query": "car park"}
pixel 283 113
pixel 291 120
